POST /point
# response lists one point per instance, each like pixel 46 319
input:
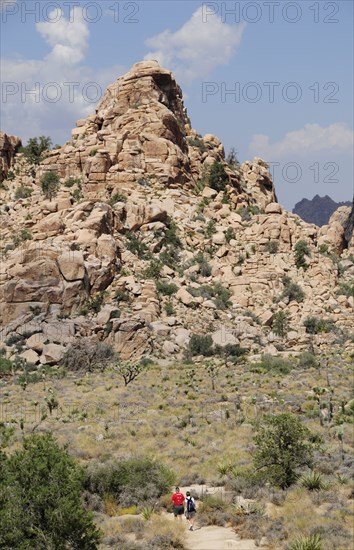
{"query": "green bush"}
pixel 317 325
pixel 307 360
pixel 217 292
pixel 210 229
pixel 167 289
pixel 131 482
pixel 229 351
pixel 22 236
pixel 35 148
pixel 346 289
pixel 200 344
pixel 23 192
pixel 70 182
pixel 301 249
pixel 50 184
pixel 41 490
pixel 197 142
pixel 217 177
pixel 280 323
pixel 6 366
pixel 153 270
pixel 137 247
pixel 230 234
pixel 292 290
pixel 169 309
pixel 269 363
pixel 283 445
pixel 272 247
pixel 117 197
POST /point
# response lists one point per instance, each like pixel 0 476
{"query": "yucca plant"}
pixel 306 543
pixel 314 481
pixel 147 511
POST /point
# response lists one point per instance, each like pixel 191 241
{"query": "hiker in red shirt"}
pixel 178 504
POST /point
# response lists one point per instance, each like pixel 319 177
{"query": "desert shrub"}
pixel 307 360
pixel 230 234
pixel 88 356
pixel 317 325
pixel 41 491
pixel 210 229
pixel 50 184
pixel 117 197
pixel 6 366
pixel 35 148
pixel 205 268
pixel 23 192
pixel 122 296
pixel 283 446
pixel 292 290
pixel 93 304
pixel 346 289
pixel 197 142
pixel 272 247
pixel 70 182
pixel 153 270
pixel 280 324
pixel 171 235
pixel 201 344
pixel 217 177
pixel 167 289
pixel 170 256
pixel 314 481
pixel 217 292
pixel 169 309
pixel 268 363
pixel 229 351
pixel 137 247
pixel 133 481
pixel 301 250
pixel 312 542
pixel 23 235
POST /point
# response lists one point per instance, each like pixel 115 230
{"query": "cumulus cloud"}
pixel 46 96
pixel 68 38
pixel 197 47
pixel 337 137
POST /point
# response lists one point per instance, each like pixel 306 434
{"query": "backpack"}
pixel 190 505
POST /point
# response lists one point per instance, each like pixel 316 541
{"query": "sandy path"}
pixel 217 538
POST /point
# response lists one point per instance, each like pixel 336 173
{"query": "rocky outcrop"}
pixel 9 146
pixel 141 248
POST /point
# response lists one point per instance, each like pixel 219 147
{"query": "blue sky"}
pixel 289 64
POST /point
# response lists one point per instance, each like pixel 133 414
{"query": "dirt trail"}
pixel 217 538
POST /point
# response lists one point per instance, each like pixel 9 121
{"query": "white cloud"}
pixel 69 39
pixel 59 75
pixel 197 47
pixel 337 137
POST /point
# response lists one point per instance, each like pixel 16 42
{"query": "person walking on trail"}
pixel 178 504
pixel 190 510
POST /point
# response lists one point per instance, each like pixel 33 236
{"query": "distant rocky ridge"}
pixel 317 210
pixel 136 213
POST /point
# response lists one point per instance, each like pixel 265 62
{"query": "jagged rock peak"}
pixel 146 82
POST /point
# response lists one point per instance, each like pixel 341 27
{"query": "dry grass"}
pixel 194 431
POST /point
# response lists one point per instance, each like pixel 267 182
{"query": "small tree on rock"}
pixel 50 184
